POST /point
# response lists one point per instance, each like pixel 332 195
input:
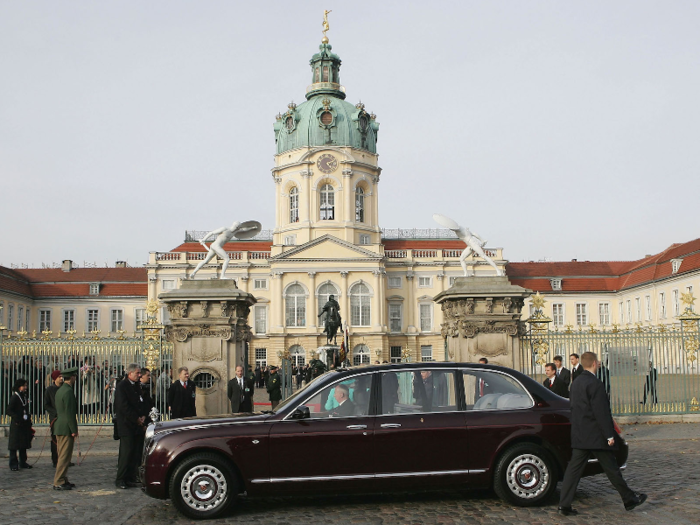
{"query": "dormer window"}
pixel 556 284
pixel 676 265
pixel 94 288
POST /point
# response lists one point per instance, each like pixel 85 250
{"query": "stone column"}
pixel 410 304
pixel 344 299
pixel 209 329
pixel 378 300
pixel 277 300
pixel 313 307
pixel 481 318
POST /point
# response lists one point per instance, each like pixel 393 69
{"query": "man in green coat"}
pixel 65 428
pixel 274 387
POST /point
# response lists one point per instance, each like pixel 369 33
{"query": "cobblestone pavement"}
pixel 664 462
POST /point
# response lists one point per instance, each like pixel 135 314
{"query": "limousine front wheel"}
pixel 203 486
pixel 525 475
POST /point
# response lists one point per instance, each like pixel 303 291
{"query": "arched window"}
pixel 298 355
pixel 360 305
pixel 360 355
pixel 359 205
pixel 324 292
pixel 295 301
pixel 327 208
pixel 294 205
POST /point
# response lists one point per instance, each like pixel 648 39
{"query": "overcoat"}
pixel 559 387
pixel 182 400
pixel 591 419
pixel 128 407
pixel 66 411
pixel 20 428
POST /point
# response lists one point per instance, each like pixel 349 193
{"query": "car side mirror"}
pixel 301 412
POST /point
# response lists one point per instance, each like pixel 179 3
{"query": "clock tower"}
pixel 326 169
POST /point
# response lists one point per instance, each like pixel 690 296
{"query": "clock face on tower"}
pixel 327 163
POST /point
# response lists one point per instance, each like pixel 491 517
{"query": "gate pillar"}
pixel 482 319
pixel 209 330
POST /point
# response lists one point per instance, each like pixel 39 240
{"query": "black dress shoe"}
pixel 567 511
pixel 133 484
pixel 26 465
pixel 15 469
pixel 121 485
pixel 65 486
pixel 636 501
pixel 72 485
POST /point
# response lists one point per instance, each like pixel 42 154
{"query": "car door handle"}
pixel 391 425
pixel 356 427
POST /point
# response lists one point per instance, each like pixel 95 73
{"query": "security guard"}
pixel 65 428
pixel 274 387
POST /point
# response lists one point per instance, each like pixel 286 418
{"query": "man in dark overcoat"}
pixel 576 367
pixel 592 434
pixel 128 406
pixel 562 372
pixel 554 383
pixel 181 396
pixel 274 387
pixel 240 392
pixel 20 425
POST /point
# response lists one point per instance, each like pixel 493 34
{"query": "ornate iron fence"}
pixel 101 362
pixel 645 369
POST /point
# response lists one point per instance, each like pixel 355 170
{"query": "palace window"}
pixel 676 265
pixel 298 355
pixel 10 315
pixel 395 321
pixel 68 320
pixel 581 314
pixel 44 320
pixel 260 319
pixel 394 282
pixel 360 355
pixel 94 288
pixel 327 208
pixel 93 319
pixel 647 303
pixel 426 353
pixel 604 314
pixel 556 284
pixel 621 312
pixel 360 305
pixel 2 312
pixel 558 314
pixel 662 305
pixel 426 317
pixel 676 304
pixel 425 282
pixel 20 317
pixel 638 308
pixel 260 284
pixel 168 284
pixel 294 205
pixel 295 301
pixel 261 357
pixel 365 239
pixel 290 240
pixel 395 354
pixel 359 205
pixel 140 317
pixel 26 324
pixel 117 320
pixel 629 311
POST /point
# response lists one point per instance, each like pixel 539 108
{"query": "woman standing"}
pixel 20 426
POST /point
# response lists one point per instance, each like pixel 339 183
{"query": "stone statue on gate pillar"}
pixel 333 320
pixel 244 230
pixel 474 243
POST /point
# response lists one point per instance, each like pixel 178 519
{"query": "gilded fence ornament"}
pixel 22 335
pixel 690 327
pixel 71 334
pixel 539 326
pixel 592 329
pixel 95 334
pixel 121 334
pixel 33 334
pixel 46 335
pixel 694 405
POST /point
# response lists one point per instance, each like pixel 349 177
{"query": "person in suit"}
pixel 21 433
pixel 562 373
pixel 240 392
pixel 128 406
pixel 576 368
pixel 65 428
pixel 650 385
pixel 50 409
pixel 592 433
pixel 181 395
pixel 554 383
pixel 345 406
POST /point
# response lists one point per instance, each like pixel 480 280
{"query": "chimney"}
pixel 574 260
pixel 67 265
pixel 120 264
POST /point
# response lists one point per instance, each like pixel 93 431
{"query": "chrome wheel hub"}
pixel 203 488
pixel 527 476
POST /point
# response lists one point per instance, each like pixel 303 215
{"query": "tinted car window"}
pixel 493 391
pixel 344 399
pixel 418 391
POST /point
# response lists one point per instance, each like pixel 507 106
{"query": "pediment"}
pixel 327 248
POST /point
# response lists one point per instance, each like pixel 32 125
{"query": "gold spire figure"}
pixel 326 27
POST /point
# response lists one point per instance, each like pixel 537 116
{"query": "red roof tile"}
pixel 11 281
pixel 84 275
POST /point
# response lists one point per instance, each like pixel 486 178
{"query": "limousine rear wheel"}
pixel 203 486
pixel 525 475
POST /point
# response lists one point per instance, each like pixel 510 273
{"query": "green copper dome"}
pixel 326 119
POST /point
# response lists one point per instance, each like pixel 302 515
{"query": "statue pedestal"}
pixel 209 330
pixel 482 319
pixel 326 353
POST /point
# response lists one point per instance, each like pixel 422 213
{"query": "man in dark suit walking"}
pixel 576 368
pixel 592 433
pixel 240 392
pixel 181 396
pixel 128 407
pixel 562 373
pixel 554 383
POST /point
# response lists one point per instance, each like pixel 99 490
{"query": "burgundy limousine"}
pixel 409 426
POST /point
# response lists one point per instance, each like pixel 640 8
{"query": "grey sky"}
pixel 553 129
